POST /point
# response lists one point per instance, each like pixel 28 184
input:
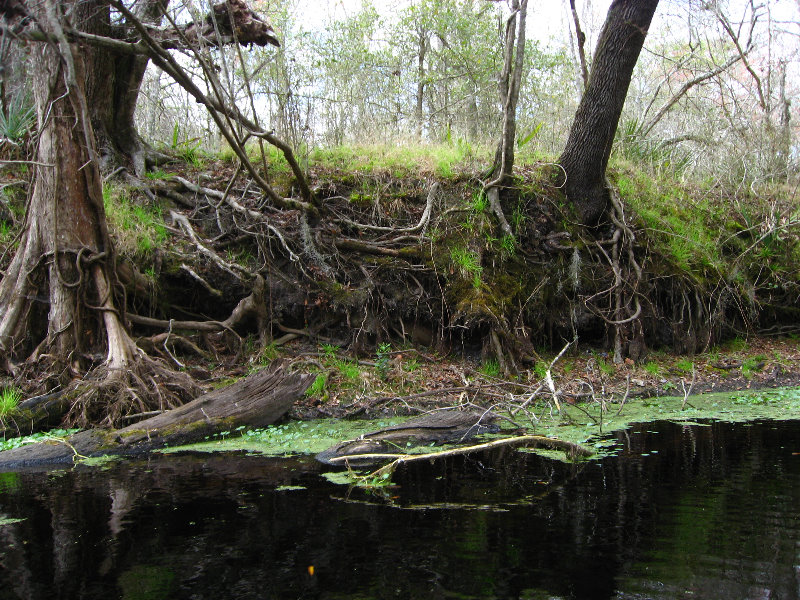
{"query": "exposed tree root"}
pixel 107 396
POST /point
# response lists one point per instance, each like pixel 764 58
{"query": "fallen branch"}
pixel 570 448
pixel 255 401
pixel 687 392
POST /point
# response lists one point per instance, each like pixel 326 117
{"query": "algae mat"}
pixel 588 423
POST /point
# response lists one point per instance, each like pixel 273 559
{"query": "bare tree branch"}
pixel 685 88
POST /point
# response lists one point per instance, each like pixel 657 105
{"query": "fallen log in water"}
pixel 255 401
pixel 434 428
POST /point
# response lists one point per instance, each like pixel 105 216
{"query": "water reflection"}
pixel 682 512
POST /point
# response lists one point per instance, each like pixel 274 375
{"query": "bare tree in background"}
pixel 510 83
pixel 580 38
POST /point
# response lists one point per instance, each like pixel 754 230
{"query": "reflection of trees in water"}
pixel 214 527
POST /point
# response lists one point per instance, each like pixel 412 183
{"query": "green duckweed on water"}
pixel 54 436
pixel 589 425
pixel 291 438
pixel 584 424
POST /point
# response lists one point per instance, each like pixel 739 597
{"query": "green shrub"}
pixel 540 369
pixel 480 203
pixel 410 365
pixel 348 370
pixel 606 367
pixel 382 360
pixel 653 368
pixel 17 122
pixel 752 364
pixel 467 262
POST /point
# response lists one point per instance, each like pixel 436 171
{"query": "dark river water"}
pixel 681 512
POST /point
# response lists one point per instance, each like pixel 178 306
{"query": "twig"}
pixel 625 397
pixel 27 162
pixel 548 376
pixel 686 392
pixel 172 356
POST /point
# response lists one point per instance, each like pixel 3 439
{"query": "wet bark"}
pixel 588 148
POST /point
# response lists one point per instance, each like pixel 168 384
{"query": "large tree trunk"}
pixel 65 259
pixel 117 79
pixel 65 223
pixel 585 157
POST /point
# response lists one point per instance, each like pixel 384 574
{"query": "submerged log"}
pixel 434 428
pixel 255 401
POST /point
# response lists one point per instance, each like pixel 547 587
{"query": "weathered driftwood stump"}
pixel 255 401
pixel 434 428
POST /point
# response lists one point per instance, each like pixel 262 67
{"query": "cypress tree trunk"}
pixel 58 305
pixel 65 220
pixel 588 148
pixel 116 82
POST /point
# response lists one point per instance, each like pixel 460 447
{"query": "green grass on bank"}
pixel 402 161
pixel 399 160
pixel 137 228
pixel 744 238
